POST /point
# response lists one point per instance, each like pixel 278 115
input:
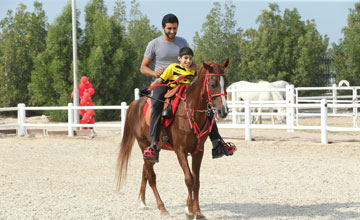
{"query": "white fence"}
pixel 293 97
pixel 332 98
pixel 292 113
pixel 21 110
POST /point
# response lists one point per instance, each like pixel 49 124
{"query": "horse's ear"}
pixel 206 66
pixel 225 63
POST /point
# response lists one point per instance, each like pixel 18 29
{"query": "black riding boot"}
pixel 216 140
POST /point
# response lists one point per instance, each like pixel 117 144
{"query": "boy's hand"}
pixel 193 66
pixel 145 92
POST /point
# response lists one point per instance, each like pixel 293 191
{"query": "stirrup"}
pixel 151 154
pixel 230 148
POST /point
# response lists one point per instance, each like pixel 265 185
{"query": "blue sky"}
pixel 330 16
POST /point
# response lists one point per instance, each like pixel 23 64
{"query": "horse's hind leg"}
pixel 151 177
pixel 142 144
pixel 196 164
pixel 272 116
pixel 143 189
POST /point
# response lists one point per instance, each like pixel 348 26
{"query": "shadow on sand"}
pixel 336 211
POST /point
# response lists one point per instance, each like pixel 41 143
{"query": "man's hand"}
pixel 157 81
pixel 146 70
pixel 159 72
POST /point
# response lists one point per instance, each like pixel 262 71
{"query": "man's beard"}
pixel 167 35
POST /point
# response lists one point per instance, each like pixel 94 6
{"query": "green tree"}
pixel 52 78
pixel 347 52
pixel 283 47
pixel 219 39
pixel 22 39
pixel 311 52
pixel 140 33
pixel 120 13
pixel 107 58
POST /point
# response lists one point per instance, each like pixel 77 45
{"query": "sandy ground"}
pixel 280 175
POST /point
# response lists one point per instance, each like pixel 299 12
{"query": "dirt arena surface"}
pixel 280 175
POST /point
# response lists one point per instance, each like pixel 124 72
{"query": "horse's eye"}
pixel 213 85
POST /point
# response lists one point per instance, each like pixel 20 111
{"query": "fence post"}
pixel 334 95
pixel 137 93
pixel 123 117
pixel 355 110
pixel 290 112
pixel 71 119
pixel 296 97
pixel 247 121
pixel 21 119
pixel 324 121
pixel 233 100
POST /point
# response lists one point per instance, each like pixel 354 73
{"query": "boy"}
pixel 171 74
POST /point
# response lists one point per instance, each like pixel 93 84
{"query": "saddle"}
pixel 170 106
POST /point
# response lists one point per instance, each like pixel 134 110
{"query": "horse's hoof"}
pixel 200 217
pixel 142 205
pixel 189 215
pixel 164 214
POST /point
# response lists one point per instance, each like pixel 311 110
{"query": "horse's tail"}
pixel 125 151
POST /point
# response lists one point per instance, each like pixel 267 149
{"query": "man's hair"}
pixel 186 51
pixel 169 18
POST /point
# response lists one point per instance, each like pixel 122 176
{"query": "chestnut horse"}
pixel 206 89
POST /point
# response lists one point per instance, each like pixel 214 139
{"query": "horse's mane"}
pixel 194 79
pixel 198 73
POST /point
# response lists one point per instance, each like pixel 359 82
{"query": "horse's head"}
pixel 215 86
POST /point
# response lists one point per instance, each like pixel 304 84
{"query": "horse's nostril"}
pixel 225 109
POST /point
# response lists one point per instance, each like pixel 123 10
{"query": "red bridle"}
pixel 207 85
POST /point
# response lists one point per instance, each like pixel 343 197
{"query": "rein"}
pixel 167 84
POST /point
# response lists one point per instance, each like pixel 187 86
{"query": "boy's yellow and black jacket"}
pixel 173 71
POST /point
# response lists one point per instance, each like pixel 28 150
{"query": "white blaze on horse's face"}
pixel 222 86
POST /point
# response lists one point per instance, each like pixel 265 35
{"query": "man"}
pixel 163 51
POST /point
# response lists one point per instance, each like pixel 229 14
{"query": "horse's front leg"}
pixel 259 116
pixel 196 164
pixel 272 116
pixel 255 118
pixel 189 181
pixel 239 110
